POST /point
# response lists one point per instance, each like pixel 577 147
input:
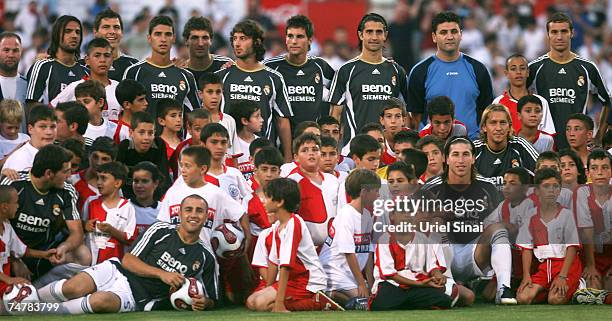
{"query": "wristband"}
pixel 562 277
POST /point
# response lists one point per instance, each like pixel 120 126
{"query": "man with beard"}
pixel 12 85
pixel 198 35
pixel 48 77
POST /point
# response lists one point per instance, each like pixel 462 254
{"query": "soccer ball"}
pixel 182 299
pixel 227 240
pixel 18 297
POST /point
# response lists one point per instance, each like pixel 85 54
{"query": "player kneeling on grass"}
pixel 347 253
pixel 161 259
pixel 295 278
pixel 409 272
pixel 551 235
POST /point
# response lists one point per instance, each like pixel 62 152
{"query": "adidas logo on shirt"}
pixel 300 73
pixel 562 71
pixel 161 75
pixel 40 202
pixel 497 162
pixel 70 74
pixel 111 68
pixel 248 79
pixel 375 72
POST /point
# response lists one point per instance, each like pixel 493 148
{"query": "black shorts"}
pixel 391 297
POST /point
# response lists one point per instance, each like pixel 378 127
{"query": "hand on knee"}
pixel 524 298
pixel 556 299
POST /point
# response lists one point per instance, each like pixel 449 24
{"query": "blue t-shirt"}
pixel 465 81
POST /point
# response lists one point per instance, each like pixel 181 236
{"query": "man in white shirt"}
pixel 12 84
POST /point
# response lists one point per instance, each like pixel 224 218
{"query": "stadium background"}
pixel 493 29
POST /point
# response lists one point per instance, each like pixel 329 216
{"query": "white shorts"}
pixel 464 267
pixel 108 278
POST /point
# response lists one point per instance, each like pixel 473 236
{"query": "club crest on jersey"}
pixel 196 265
pixel 393 80
pixel 182 85
pixel 56 210
pixel 515 163
pixel 317 78
pixel 580 81
pixel 233 191
pixel 266 90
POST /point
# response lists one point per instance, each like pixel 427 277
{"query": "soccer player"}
pixel 579 133
pixel 12 84
pixel 307 77
pixel 433 147
pixel 99 59
pixel 347 256
pixel 198 35
pixel 92 95
pixel 210 89
pixel 102 151
pixel 552 237
pixel 373 79
pixel 11 116
pixel 567 80
pixel 72 121
pixel 132 97
pixel 442 122
pixel 573 172
pixel 592 210
pixel 110 220
pixel 318 190
pixel 530 114
pixel 47 77
pixel 458 76
pixel 109 25
pixel 475 252
pixel 143 279
pixel 498 149
pixel 42 127
pixel 157 73
pixel 48 217
pixel 249 79
pixel 517 72
pixel 170 120
pixel 296 277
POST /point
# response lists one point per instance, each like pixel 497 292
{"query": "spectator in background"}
pixel 532 41
pixel 136 42
pixel 402 28
pixel 508 34
pixel 329 54
pixel 254 13
pixel 28 20
pixel 169 9
pixel 472 38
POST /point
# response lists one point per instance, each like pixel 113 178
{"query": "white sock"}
pixel 501 257
pixel 52 293
pixel 76 306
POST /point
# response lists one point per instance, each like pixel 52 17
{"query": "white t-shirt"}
pixel 243 146
pixel 554 236
pixel 7 146
pixel 230 124
pixel 107 129
pixel 14 87
pixel 22 159
pixel 113 109
pixel 232 182
pixel 11 243
pixel 351 232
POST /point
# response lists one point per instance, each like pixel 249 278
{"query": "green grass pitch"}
pixel 478 312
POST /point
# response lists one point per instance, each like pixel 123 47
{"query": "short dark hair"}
pixel 141 117
pixel 41 112
pixel 548 155
pixel 301 21
pixel 75 112
pixel 165 105
pixel 516 55
pixel 579 164
pixel 201 155
pixel 370 17
pixel 107 13
pixel 327 141
pixel 242 109
pixel 586 120
pixel 416 158
pixel 91 88
pixel 303 139
pixel 372 127
pixel 197 197
pixel 197 23
pixel 211 129
pixel 441 105
pixel 598 153
pixel 392 103
pixel 8 34
pixel 252 30
pixel 208 78
pixel 328 120
pixel 559 17
pixel 116 169
pixel 128 90
pixel 522 173
pixel 362 144
pixel 50 157
pixel 104 145
pixel 74 146
pixel 259 142
pixel 527 99
pixel 430 139
pixel 198 113
pixel 268 155
pixel 607 139
pixel 406 136
pixel 404 168
pixel 5 193
pixel 156 174
pixel 360 179
pixel 161 20
pixel 301 127
pixel 98 43
pixel 286 190
pixel 546 173
pixel 445 16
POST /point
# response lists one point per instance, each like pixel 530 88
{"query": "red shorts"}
pixel 603 263
pixel 260 286
pixel 295 291
pixel 548 271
